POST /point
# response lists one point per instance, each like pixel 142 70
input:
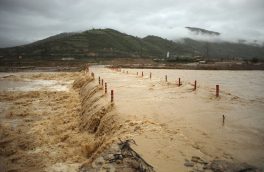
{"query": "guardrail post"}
pixel 112 96
pixel 217 91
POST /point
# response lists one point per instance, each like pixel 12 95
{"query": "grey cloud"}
pixel 24 21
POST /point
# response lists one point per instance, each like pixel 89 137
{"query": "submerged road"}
pixel 179 123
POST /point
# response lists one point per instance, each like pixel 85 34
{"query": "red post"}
pixel 150 75
pixel 179 81
pixel 166 78
pixel 112 95
pixel 99 80
pixel 195 83
pixel 142 74
pixel 105 88
pixel 217 91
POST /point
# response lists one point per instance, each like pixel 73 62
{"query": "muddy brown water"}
pixel 191 121
pixel 176 122
pixel 38 112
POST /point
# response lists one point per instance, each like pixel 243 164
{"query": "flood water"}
pixel 31 85
pixel 176 121
pixel 196 116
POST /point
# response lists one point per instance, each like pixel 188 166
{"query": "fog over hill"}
pixel 26 21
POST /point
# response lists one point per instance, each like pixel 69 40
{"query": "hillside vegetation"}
pixel 108 43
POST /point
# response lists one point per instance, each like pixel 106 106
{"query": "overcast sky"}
pixel 24 21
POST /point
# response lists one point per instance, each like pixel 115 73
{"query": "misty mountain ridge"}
pixel 199 35
pixel 108 43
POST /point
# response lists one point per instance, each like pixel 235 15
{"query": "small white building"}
pixel 168 54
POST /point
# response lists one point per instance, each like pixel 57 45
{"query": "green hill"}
pixel 109 43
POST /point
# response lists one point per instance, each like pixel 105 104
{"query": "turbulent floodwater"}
pixel 169 123
pixel 195 115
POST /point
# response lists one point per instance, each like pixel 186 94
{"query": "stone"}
pixel 188 164
pixel 197 159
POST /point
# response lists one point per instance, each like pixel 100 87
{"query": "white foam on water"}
pixel 34 85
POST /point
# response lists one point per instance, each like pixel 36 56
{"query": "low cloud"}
pixel 24 21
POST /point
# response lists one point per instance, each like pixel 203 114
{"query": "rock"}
pixel 189 164
pixel 197 159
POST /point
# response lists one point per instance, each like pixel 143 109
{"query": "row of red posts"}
pixel 101 82
pixel 104 86
pixel 179 82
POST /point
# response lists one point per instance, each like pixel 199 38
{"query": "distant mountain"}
pixel 224 50
pixel 201 31
pixel 109 43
